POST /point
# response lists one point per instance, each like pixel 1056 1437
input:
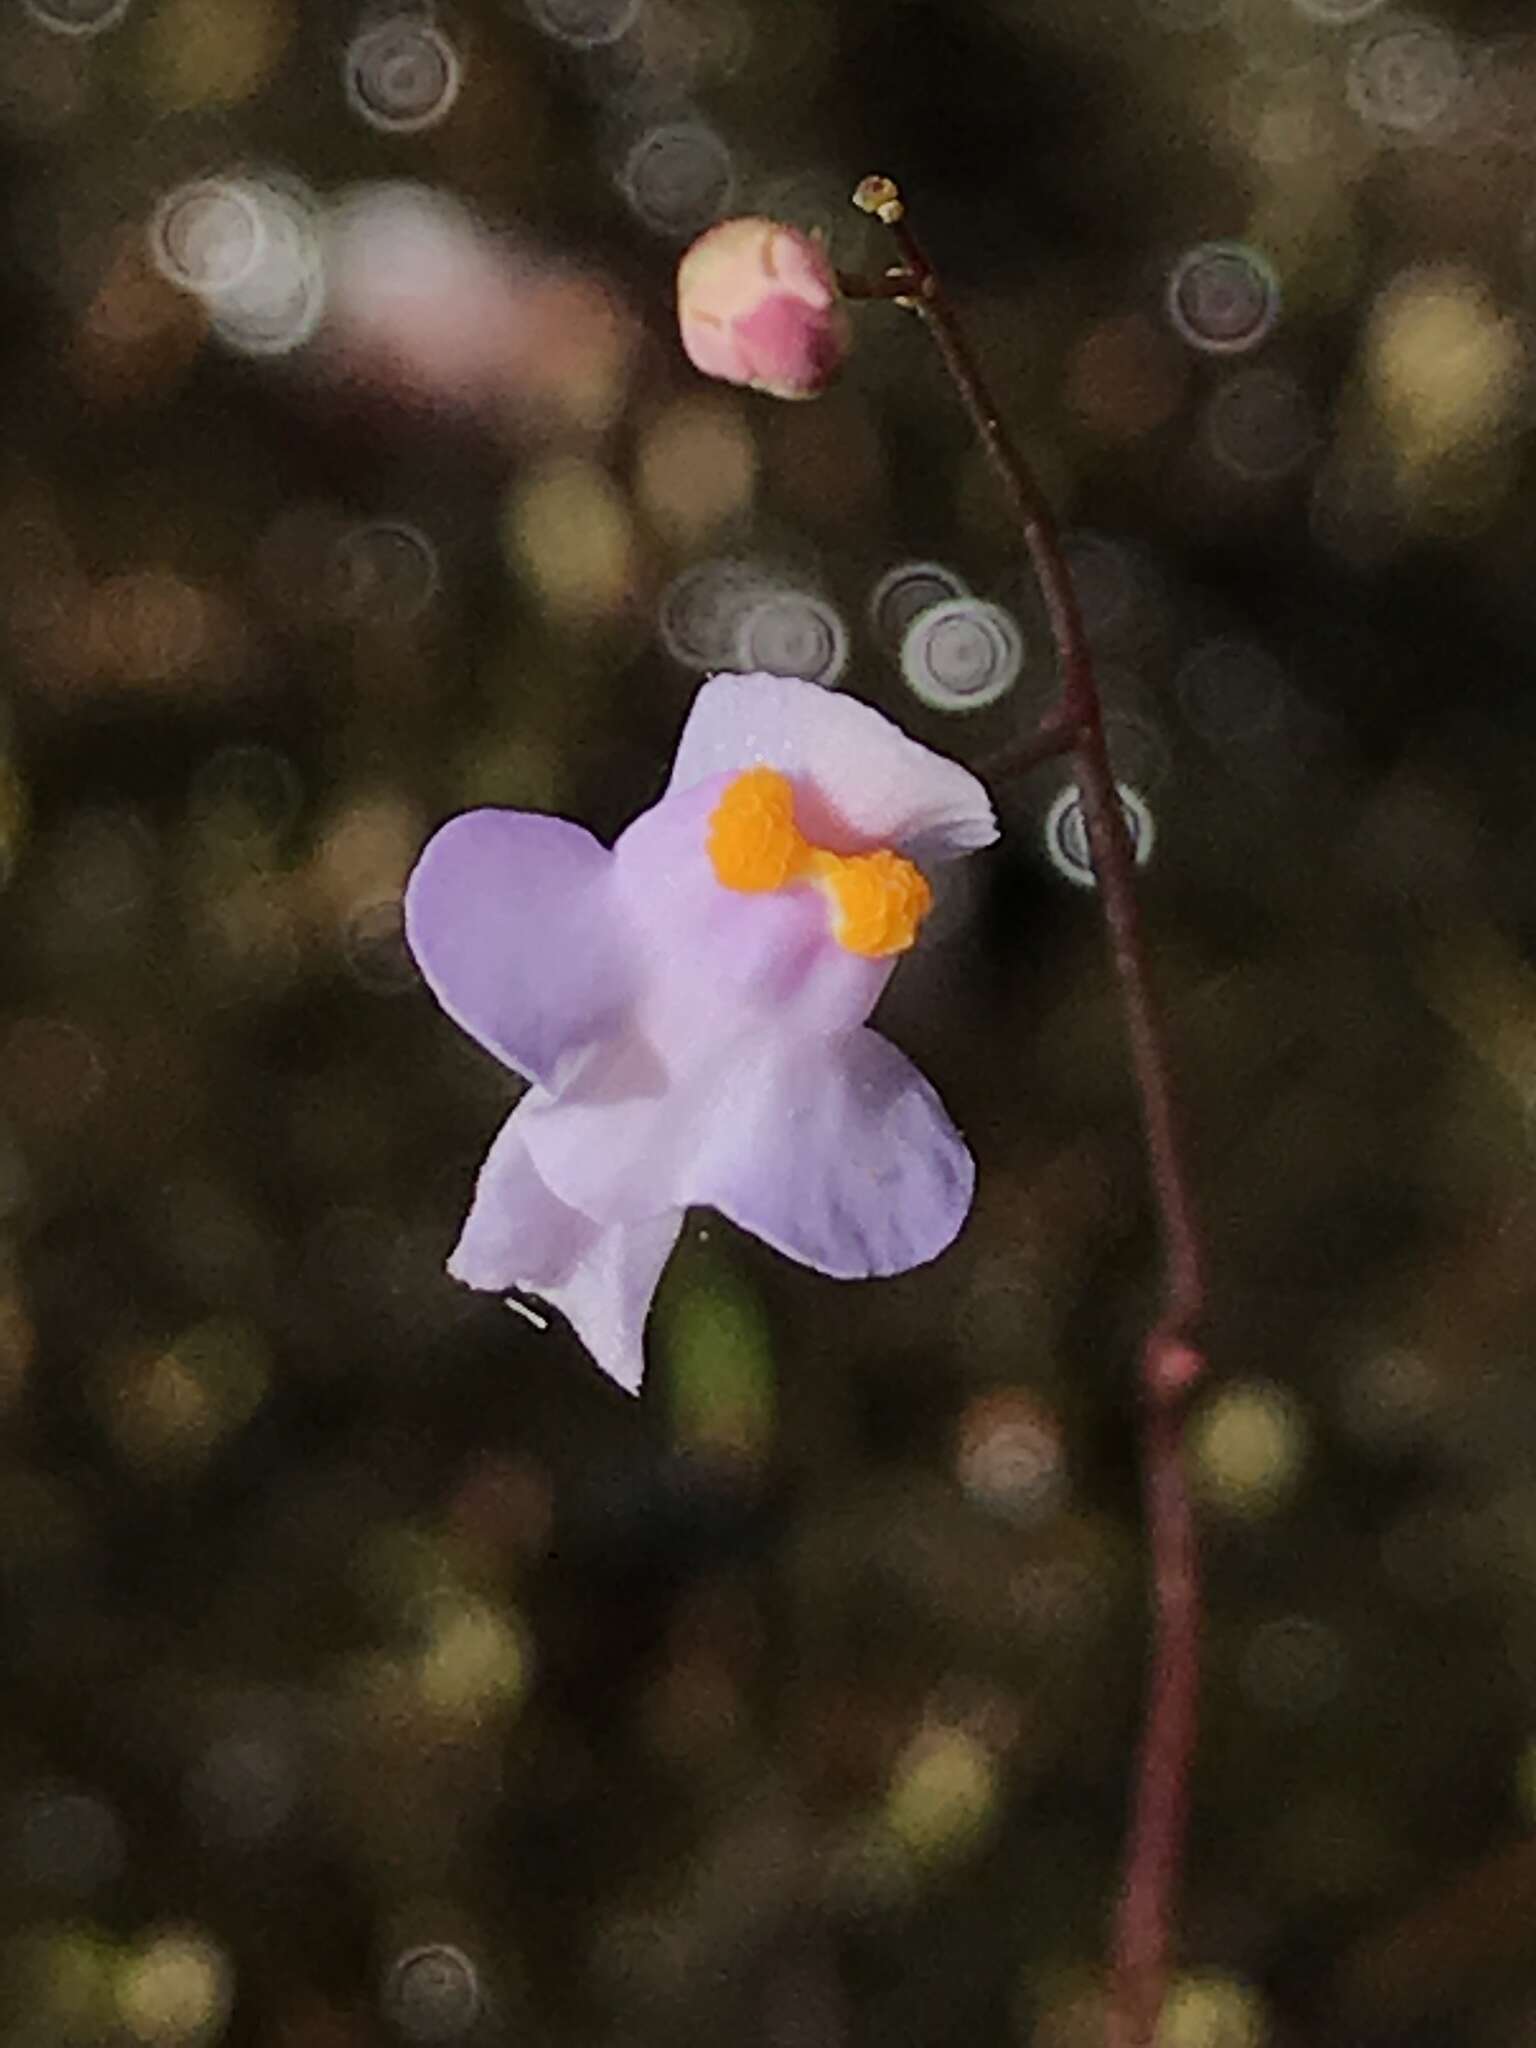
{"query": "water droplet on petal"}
pixel 1066 833
pixel 905 591
pixel 1223 298
pixel 962 655
pixel 793 634
pixel 403 75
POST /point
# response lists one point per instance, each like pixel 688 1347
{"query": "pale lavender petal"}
pixel 839 1154
pixel 509 916
pixel 723 962
pixel 727 971
pixel 833 1150
pixel 607 1296
pixel 600 1277
pixel 859 780
pixel 619 1144
pixel 516 1233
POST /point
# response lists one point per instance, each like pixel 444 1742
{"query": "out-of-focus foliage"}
pixel 373 1670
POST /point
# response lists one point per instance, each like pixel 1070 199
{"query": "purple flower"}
pixel 690 1008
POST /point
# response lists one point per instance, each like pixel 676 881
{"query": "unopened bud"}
pixel 758 304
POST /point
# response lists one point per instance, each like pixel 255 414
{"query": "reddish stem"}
pixel 1171 1360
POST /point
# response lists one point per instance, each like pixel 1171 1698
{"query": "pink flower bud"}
pixel 758 304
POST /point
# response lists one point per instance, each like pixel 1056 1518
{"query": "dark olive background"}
pixel 343 1613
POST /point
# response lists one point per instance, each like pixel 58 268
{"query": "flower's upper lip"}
pixel 860 782
pixel 535 943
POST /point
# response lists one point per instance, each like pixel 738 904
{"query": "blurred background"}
pixel 373 1670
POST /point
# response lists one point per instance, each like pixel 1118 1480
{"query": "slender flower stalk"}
pixel 1171 1359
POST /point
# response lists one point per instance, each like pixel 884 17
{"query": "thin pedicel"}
pixel 1172 1360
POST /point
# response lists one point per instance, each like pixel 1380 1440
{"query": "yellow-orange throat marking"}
pixel 879 899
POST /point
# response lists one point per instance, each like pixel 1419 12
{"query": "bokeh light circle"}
pixel 702 611
pixel 907 590
pixel 678 177
pixel 403 75
pixel 63 1839
pixel 1501 88
pixel 962 655
pixel 1231 689
pixel 282 322
pixel 1248 1447
pixel 174 1990
pixel 244 1786
pixel 1066 833
pixel 1110 581
pixel 76 17
pixel 208 237
pixel 792 633
pixel 373 941
pixel 1186 17
pixel 1223 298
pixel 1338 13
pixel 384 573
pixel 245 792
pixel 1259 424
pixel 277 305
pixel 1138 751
pixel 1294 1667
pixel 1405 75
pixel 1009 1455
pixel 432 1993
pixel 586 23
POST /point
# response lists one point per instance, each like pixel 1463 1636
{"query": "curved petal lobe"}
pixel 508 916
pixel 859 781
pixel 839 1154
pixel 601 1278
pixel 722 962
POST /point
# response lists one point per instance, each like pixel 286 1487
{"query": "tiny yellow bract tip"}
pixel 880 196
pixel 879 899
